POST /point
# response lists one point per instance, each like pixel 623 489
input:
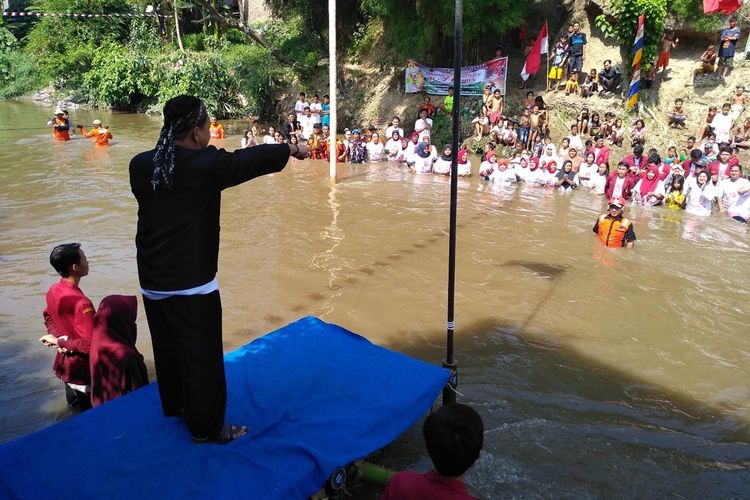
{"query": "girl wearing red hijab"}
pixel 116 365
pixel 649 191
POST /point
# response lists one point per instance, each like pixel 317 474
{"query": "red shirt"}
pixel 430 485
pixel 70 313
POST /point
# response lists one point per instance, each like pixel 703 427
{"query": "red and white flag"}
pixel 534 60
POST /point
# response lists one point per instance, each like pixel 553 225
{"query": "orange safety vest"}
pixel 217 132
pixel 101 135
pixel 612 231
pixel 60 135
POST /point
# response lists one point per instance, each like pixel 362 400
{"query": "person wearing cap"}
pixel 612 228
pixel 101 135
pixel 60 126
pixel 216 129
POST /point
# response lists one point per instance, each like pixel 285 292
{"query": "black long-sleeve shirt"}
pixel 177 239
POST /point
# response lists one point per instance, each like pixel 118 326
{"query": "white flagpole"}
pixel 333 129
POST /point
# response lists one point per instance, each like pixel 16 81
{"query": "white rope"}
pixel 76 15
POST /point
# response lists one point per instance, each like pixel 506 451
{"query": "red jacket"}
pixel 70 313
pixel 603 156
pixel 630 160
pixel 627 187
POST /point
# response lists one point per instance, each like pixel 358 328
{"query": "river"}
pixel 598 373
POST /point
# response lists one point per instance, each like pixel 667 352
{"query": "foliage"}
pixel 118 76
pixel 63 47
pixel 691 11
pixel 295 41
pixel 414 29
pixel 17 73
pixel 623 24
pixel 253 68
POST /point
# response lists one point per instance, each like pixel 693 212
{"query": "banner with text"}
pixel 421 78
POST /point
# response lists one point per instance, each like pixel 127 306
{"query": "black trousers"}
pixel 189 358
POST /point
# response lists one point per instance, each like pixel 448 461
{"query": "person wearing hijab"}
pixel 393 146
pixel 424 156
pixel 178 187
pixel 410 154
pixel 443 163
pixel 550 172
pixel 537 176
pixel 502 175
pixel 116 365
pixel 464 164
pixel 649 191
pixel 566 179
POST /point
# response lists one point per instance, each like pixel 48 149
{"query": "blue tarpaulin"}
pixel 315 395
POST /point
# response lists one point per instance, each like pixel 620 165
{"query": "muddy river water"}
pixel 598 373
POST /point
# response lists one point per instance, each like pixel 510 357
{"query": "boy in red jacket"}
pixel 69 318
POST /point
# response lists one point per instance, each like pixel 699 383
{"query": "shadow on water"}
pixel 558 423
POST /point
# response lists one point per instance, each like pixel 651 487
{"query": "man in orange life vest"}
pixel 215 129
pixel 101 135
pixel 612 228
pixel 60 126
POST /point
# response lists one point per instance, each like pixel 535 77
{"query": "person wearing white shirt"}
pixel 649 191
pixel 587 168
pixel 423 125
pixel 269 137
pixel 306 123
pixel 315 108
pixel 731 189
pixel 393 146
pixel 442 165
pixel 597 182
pixel 375 148
pixel 722 124
pixel 700 195
pixel 299 106
pixel 502 175
pixel 395 126
pixel 574 139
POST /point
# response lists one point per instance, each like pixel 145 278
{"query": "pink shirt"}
pixel 416 486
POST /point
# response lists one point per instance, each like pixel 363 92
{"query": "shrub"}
pixel 118 76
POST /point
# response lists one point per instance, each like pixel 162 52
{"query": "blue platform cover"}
pixel 315 395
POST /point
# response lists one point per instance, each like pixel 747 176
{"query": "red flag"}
pixel 725 7
pixel 534 59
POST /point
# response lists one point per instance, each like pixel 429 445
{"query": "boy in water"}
pixel 69 318
pixel 454 436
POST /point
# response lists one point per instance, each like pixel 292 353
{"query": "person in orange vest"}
pixel 613 229
pixel 101 135
pixel 215 129
pixel 60 126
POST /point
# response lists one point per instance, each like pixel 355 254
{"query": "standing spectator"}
pixel 609 78
pixel 299 106
pixel 395 126
pixel 495 107
pixel 306 123
pixel 316 108
pixel 577 45
pixel 668 42
pixel 739 101
pixel 557 57
pixel 722 124
pixel 292 126
pixel 423 126
pixel 69 318
pixel 727 45
pixel 447 104
pixel 325 111
pixel 526 52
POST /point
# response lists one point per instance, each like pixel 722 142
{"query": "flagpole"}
pixel 449 391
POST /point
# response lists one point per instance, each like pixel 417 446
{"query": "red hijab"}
pixel 648 186
pixel 116 365
pixel 552 167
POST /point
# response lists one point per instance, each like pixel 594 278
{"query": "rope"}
pixel 82 16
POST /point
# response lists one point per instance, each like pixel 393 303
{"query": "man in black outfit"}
pixel 609 77
pixel 178 188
